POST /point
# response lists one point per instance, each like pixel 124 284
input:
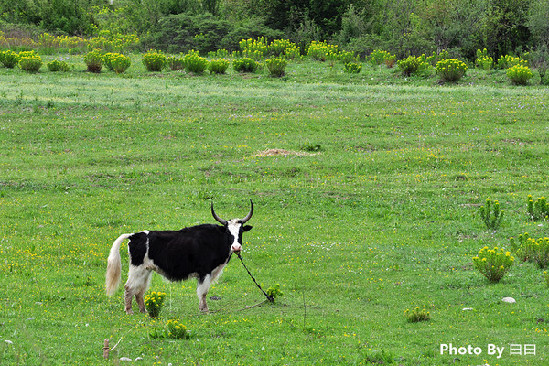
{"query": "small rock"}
pixel 466 309
pixel 8 341
pixel 139 359
pixel 509 300
pixel 125 359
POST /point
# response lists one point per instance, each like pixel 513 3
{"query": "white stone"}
pixel 466 309
pixel 509 300
pixel 125 359
pixel 8 341
pixel 139 359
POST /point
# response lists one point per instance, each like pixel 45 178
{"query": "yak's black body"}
pixel 195 250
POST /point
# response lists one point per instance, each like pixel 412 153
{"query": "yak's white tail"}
pixel 114 265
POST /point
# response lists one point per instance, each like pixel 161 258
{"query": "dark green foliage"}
pixel 204 32
pixel 58 65
pixel 492 220
pixel 276 66
pixel 245 65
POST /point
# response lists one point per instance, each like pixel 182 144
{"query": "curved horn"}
pixel 217 218
pixel 249 216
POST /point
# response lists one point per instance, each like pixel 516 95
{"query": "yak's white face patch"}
pixel 234 227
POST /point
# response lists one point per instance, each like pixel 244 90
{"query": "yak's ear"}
pixel 247 228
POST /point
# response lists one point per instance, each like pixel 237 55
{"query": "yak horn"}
pixel 217 218
pixel 249 216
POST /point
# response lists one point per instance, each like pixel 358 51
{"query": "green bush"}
pixel 451 69
pixel 107 58
pixel 30 63
pixel 322 51
pixel 94 60
pixel 492 220
pixel 245 65
pixel 120 63
pixel 538 210
pixel 519 74
pixel 417 315
pixel 353 67
pixel 506 62
pixel 276 66
pixel 378 57
pixel 173 329
pixel 412 65
pixel 219 66
pixel 194 63
pixel 154 302
pixel 58 65
pixel 9 58
pixel 493 263
pixel 175 63
pixel 154 60
pixel 483 61
pixel 532 250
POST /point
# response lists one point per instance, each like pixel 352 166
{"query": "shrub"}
pixel 9 59
pixel 493 263
pixel 175 63
pixel 94 60
pixel 245 65
pixel 412 65
pixel 436 57
pixel 417 315
pixel 353 67
pixel 58 65
pixel 154 303
pixel 506 62
pixel 531 250
pixel 378 57
pixel 538 210
pixel 322 51
pixel 120 63
pixel 492 220
pixel 276 66
pixel 274 291
pixel 219 66
pixel 451 69
pixel 194 63
pixel 483 61
pixel 519 75
pixel 154 60
pixel 173 330
pixel 253 48
pixel 30 63
pixel 107 57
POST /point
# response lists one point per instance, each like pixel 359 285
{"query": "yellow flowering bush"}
pixel 451 69
pixel 417 315
pixel 493 263
pixel 154 303
pixel 539 209
pixel 172 329
pixel 519 74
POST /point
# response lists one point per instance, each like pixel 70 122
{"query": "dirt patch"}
pixel 282 152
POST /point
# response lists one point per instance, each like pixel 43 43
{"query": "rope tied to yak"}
pixel 270 298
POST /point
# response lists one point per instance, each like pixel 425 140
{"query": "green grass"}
pixel 376 212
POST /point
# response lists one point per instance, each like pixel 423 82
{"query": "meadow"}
pixel 366 190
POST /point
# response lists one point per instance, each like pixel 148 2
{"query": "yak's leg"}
pixel 139 297
pixel 202 291
pixel 136 285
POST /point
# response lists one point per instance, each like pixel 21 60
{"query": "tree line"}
pixel 403 27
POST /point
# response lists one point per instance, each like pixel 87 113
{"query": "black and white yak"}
pixel 200 251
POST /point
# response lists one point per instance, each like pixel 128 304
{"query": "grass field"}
pixel 372 211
